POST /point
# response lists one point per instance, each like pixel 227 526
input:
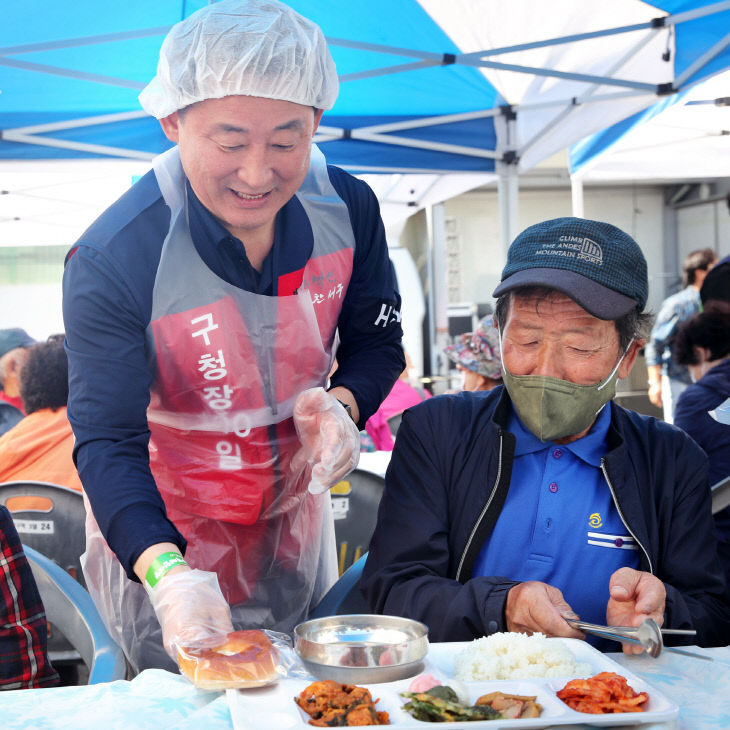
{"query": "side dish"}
pixel 605 693
pixel 441 704
pixel 331 704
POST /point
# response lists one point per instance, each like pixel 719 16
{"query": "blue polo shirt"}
pixel 559 524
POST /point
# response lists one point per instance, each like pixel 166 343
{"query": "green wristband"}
pixel 160 565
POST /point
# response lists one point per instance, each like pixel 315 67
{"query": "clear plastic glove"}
pixel 191 610
pixel 329 437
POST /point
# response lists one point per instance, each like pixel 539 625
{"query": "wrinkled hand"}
pixel 191 610
pixel 634 596
pixel 535 606
pixel 330 439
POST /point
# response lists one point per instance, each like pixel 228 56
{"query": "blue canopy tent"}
pixel 426 86
pixel 682 137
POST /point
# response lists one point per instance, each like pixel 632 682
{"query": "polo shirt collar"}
pixel 591 448
pixel 203 220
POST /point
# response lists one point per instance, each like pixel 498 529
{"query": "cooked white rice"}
pixel 514 656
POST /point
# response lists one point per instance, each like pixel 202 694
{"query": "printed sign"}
pixel 34 527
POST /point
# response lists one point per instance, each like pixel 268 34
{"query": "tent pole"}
pixel 438 296
pixel 507 177
pixel 576 192
pixel 508 196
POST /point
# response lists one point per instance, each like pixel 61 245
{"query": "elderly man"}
pixel 202 315
pixel 513 509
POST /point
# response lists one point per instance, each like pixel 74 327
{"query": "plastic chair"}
pixel 344 597
pixel 720 495
pixel 70 608
pixel 355 503
pixel 49 518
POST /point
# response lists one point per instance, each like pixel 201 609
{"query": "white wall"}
pixel 34 307
pixel 703 225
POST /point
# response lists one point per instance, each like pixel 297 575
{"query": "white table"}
pixel 159 700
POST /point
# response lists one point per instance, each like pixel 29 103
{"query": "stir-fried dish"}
pixel 331 704
pixel 441 704
pixel 605 693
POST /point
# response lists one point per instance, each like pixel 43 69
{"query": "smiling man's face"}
pixel 245 157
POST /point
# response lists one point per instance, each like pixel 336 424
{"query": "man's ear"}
pixel 630 358
pixel 171 127
pixel 317 118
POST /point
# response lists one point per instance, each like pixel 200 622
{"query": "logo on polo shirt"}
pixel 618 542
pixel 595 520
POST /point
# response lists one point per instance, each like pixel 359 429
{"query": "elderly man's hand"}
pixel 330 439
pixel 535 606
pixel 635 596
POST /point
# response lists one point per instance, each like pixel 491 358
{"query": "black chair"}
pixel 720 495
pixel 355 503
pixel 344 597
pixel 51 519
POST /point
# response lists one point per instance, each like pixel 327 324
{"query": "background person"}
pixel 667 379
pixel 40 447
pixel 13 350
pixel 201 314
pixel 717 282
pixel 703 345
pixel 477 356
pixel 512 509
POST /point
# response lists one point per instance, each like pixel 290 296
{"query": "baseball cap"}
pixel 594 263
pixel 12 338
pixel 478 351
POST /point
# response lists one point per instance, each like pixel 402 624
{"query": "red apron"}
pixel 228 367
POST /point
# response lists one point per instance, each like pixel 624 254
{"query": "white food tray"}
pixel 273 707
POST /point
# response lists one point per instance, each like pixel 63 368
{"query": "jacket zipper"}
pixel 483 512
pixel 621 515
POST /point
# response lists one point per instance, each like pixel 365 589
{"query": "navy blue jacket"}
pixel 692 416
pixel 447 481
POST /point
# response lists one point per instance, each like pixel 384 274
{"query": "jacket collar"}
pixel 619 467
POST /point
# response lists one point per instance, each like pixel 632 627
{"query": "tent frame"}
pixel 382 133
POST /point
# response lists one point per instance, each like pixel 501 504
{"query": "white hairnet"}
pixel 249 47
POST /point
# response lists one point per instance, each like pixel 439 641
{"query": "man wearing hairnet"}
pixel 202 313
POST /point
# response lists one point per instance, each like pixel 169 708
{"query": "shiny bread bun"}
pixel 246 659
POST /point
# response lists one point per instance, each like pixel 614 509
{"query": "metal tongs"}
pixel 648 635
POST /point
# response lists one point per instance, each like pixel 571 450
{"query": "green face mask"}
pixel 552 408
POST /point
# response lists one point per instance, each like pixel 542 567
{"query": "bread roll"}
pixel 246 659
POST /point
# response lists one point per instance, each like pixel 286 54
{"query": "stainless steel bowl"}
pixel 362 648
